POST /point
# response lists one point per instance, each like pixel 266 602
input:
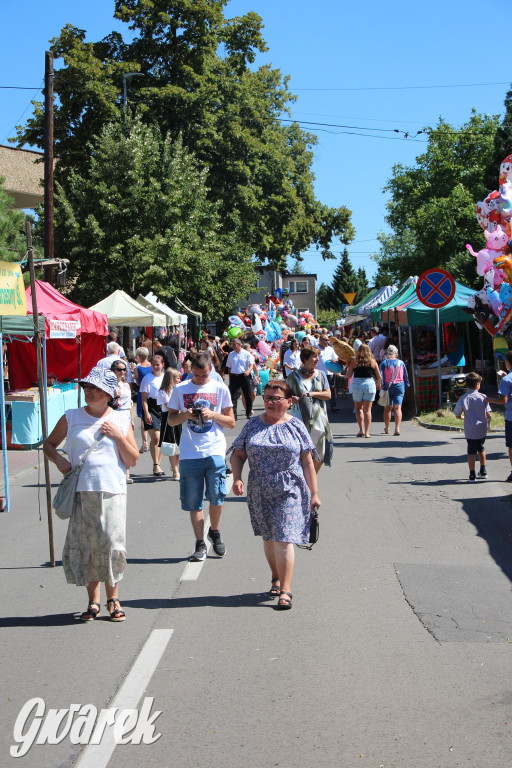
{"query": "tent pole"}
pixel 468 339
pixel 439 370
pixel 42 402
pixel 4 439
pixel 481 338
pixel 79 370
pixel 413 375
pixel 45 381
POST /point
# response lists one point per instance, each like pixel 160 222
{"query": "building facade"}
pixel 302 288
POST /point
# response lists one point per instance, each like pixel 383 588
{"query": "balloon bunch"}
pixel 492 305
pixel 268 324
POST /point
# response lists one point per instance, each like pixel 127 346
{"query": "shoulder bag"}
pixel 384 398
pixel 64 500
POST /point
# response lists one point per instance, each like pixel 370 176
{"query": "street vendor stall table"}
pixel 26 414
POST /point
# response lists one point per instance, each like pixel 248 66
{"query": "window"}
pixel 298 286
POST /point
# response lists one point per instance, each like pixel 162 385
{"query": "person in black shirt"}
pixel 167 353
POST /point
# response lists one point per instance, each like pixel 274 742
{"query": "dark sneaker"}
pixel 472 477
pixel 200 552
pixel 483 473
pixel 218 545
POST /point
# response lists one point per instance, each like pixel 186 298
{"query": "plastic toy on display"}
pixel 491 307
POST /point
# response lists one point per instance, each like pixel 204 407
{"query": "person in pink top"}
pixel 395 378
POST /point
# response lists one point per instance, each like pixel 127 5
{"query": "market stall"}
pixel 75 340
pixel 413 313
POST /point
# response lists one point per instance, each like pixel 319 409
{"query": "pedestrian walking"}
pixel 151 411
pixel 310 390
pixel 475 408
pixel 203 406
pixel 394 379
pixel 95 547
pixel 366 380
pixel 282 487
pixel 240 365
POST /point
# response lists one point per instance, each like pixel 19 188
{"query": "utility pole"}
pixel 48 164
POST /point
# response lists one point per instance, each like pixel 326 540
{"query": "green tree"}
pixel 12 224
pixel 297 268
pixel 363 285
pixel 140 220
pixel 502 145
pixel 431 210
pixel 198 82
pixel 345 280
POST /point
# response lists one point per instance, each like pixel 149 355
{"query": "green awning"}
pixel 418 314
pixel 17 325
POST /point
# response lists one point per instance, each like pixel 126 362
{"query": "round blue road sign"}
pixel 435 288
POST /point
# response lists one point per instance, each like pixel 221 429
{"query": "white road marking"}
pixel 129 695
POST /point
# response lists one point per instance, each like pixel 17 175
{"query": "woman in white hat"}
pixel 95 547
pixel 395 378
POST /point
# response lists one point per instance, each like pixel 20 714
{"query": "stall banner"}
pixel 63 329
pixel 12 289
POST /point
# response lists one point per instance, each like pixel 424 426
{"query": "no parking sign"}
pixel 435 288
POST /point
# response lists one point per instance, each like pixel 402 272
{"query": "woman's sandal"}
pixel 144 448
pixel 116 614
pixel 157 474
pixel 274 591
pixel 396 433
pixel 283 604
pixel 90 614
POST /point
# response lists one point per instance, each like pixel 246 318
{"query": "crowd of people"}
pixel 185 406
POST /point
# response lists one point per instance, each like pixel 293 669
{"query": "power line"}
pixel 404 87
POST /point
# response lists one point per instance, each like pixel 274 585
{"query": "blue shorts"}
pixel 396 393
pixel 476 446
pixel 363 389
pixel 195 474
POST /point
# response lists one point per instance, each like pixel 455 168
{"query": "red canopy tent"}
pixel 62 316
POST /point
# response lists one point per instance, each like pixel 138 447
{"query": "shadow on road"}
pixel 492 518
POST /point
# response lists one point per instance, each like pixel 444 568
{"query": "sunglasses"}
pixel 273 399
pixel 119 369
pixel 90 387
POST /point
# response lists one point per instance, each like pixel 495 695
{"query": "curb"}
pixel 447 427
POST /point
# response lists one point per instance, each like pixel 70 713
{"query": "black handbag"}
pixel 314 530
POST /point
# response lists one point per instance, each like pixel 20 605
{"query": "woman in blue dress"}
pixel 282 486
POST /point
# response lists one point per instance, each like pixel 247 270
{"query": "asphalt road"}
pixel 397 652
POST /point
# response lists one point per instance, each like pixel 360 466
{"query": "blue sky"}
pixel 370 66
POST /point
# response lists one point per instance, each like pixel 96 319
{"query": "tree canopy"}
pixel 431 210
pixel 345 280
pixel 139 219
pixel 12 223
pixel 198 82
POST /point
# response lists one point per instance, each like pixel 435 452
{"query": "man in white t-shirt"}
pixel 203 406
pixel 327 354
pixel 240 365
pixel 376 343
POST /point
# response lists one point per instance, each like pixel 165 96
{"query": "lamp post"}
pixel 125 78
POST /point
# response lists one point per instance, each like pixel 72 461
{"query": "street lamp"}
pixel 125 77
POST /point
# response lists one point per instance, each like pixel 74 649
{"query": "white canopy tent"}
pixel 151 302
pixel 121 309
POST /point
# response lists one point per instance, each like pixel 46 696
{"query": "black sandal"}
pixel 90 614
pixel 283 604
pixel 274 591
pixel 116 614
pixel 157 474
